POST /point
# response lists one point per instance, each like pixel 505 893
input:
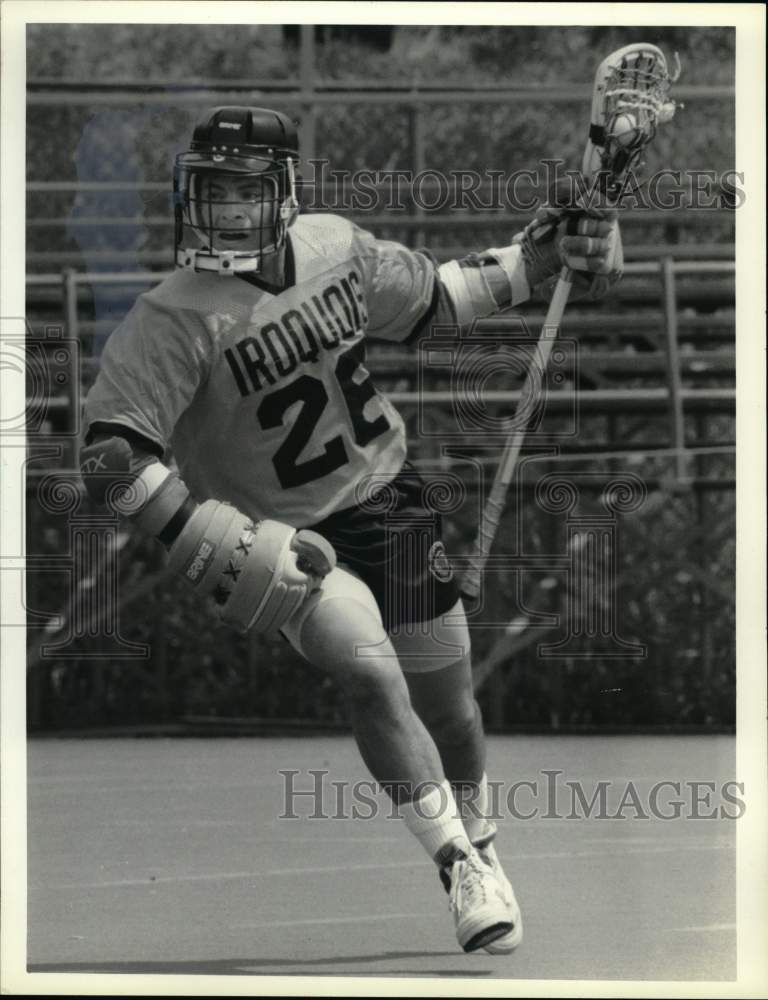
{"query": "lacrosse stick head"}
pixel 630 98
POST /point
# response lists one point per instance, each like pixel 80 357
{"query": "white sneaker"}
pixel 505 943
pixel 479 904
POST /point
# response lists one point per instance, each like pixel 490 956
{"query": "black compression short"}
pixel 393 541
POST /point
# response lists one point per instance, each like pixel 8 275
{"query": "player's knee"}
pixel 337 620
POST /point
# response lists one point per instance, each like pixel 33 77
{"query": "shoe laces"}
pixel 468 882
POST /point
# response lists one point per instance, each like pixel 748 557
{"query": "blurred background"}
pixel 645 393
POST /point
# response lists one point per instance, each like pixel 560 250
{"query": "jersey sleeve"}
pixel 151 368
pixel 407 291
pixel 400 286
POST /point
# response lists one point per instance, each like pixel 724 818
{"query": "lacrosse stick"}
pixel 630 97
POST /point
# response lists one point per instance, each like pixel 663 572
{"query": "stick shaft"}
pixel 494 505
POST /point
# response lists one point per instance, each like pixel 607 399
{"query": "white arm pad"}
pixel 482 284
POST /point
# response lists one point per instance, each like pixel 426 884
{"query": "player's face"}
pixel 238 209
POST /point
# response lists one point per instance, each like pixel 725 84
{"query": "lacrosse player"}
pixel 247 364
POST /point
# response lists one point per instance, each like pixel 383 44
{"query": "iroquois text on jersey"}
pixel 320 322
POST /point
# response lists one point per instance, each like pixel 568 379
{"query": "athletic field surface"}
pixel 180 856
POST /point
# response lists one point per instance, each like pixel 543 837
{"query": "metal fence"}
pixel 307 93
pixel 306 97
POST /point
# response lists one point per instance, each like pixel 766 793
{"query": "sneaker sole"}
pixel 486 936
pixel 498 946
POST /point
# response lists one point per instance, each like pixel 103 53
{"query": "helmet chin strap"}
pixel 289 208
pixel 233 261
pixel 220 261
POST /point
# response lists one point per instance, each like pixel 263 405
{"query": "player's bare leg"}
pixel 442 694
pixel 445 701
pixel 346 638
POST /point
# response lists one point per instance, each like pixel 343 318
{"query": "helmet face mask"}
pixel 235 198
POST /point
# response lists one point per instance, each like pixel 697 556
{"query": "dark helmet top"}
pixel 244 142
pixel 246 133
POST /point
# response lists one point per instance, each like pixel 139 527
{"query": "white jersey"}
pixel 263 399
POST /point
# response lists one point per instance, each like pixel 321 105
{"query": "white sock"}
pixel 473 809
pixel 434 820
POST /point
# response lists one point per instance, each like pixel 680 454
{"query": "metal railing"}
pixel 307 96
